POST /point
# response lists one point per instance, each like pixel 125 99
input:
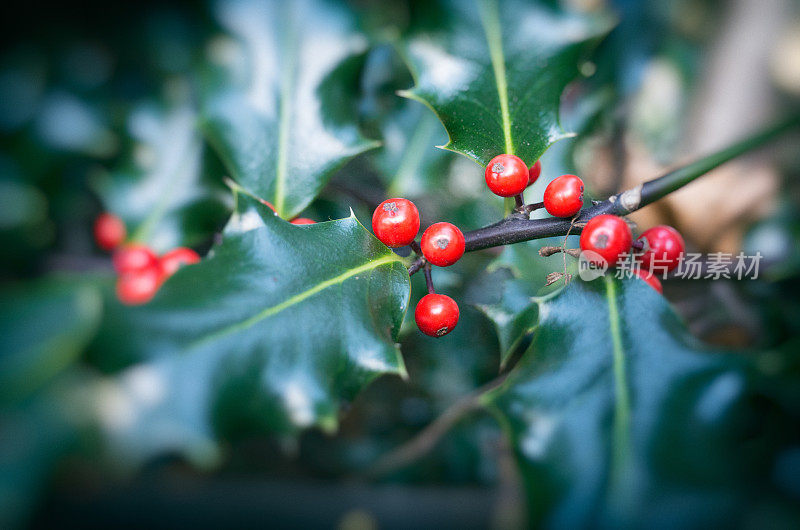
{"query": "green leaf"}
pixel 408 161
pixel 493 72
pixel 282 117
pixel 273 332
pixel 34 441
pixel 619 418
pixel 514 315
pixel 45 326
pixel 37 434
pixel 21 204
pixel 161 193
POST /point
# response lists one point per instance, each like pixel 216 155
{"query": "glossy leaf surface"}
pixel 273 332
pixel 279 109
pixel 409 160
pixel 619 418
pixel 493 72
pixel 45 326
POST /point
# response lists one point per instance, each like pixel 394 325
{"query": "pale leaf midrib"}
pixel 620 441
pixel 296 299
pixel 491 25
pixel 287 74
pixel 160 209
pixel 412 157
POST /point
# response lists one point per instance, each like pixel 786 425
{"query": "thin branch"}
pixel 427 439
pixel 517 227
pixel 514 229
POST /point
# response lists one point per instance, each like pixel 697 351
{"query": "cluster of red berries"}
pixel 610 238
pixel 507 176
pixel 607 235
pixel 396 223
pixel 141 272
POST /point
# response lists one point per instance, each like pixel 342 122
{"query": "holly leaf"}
pixel 45 327
pixel 274 332
pixel 619 418
pixel 514 315
pixel 493 72
pixel 281 113
pixel 408 161
pixel 40 432
pixel 161 192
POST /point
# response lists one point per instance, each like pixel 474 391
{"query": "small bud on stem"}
pixel 549 251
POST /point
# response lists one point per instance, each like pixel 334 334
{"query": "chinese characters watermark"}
pixel 692 266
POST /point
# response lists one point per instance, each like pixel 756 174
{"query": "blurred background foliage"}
pixel 98 104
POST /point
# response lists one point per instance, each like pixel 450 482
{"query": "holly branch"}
pixel 517 227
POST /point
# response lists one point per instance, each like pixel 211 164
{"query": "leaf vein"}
pixel 285 119
pixel 491 27
pixel 622 399
pixel 296 299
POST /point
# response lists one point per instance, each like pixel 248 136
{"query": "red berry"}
pixel 535 171
pixel 507 175
pixel 304 221
pixel 396 222
pixel 138 287
pixel 665 247
pixel 442 244
pixel 133 257
pixel 436 315
pixel 563 197
pixel 109 231
pixel 607 235
pixel 177 258
pixel 651 279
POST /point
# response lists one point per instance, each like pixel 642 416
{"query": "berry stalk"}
pixel 428 278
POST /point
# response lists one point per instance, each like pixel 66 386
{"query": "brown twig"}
pixel 427 439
